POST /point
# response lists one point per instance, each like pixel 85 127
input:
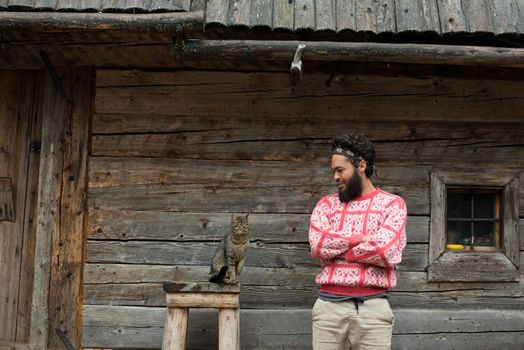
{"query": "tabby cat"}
pixel 229 258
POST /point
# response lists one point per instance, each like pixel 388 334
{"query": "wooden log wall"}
pixel 173 154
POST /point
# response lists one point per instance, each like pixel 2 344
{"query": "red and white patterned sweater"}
pixel 350 267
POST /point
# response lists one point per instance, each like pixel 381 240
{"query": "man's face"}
pixel 347 177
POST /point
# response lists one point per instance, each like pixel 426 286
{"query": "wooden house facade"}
pixel 131 130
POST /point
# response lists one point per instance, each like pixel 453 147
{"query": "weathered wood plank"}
pixel 143 86
pixel 25 293
pixel 479 16
pixel 15 120
pixel 469 266
pixel 124 176
pixel 142 327
pixel 304 15
pixel 283 14
pixel 216 11
pixel 452 16
pixel 418 15
pixel 262 13
pixel 375 16
pixel 325 16
pixel 345 15
pixel 68 244
pixel 507 16
pixel 408 321
pixel 269 297
pixel 152 225
pixel 512 193
pixel 200 254
pixel 206 198
pixel 460 341
pixel 186 82
pixel 55 112
pixel 239 13
pixel 408 281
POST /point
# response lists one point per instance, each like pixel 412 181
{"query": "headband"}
pixel 354 157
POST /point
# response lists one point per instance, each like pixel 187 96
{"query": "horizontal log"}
pixel 407 281
pixel 169 226
pixel 473 266
pixel 415 256
pixel 293 296
pixel 202 185
pixel 139 327
pixel 271 96
pixel 408 321
pixel 353 51
pixel 66 22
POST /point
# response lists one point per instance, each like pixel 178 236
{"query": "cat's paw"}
pixel 230 281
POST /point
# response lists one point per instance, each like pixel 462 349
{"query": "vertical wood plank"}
pixel 7 203
pixel 345 13
pixel 385 12
pixel 239 12
pixel 437 231
pixel 325 17
pixel 216 11
pixel 452 16
pixel 67 246
pixel 417 15
pixel 25 291
pixel 198 5
pixel 175 330
pixel 304 14
pixel 478 16
pixel 15 115
pixel 48 220
pixel 262 13
pixel 75 5
pixel 375 16
pixel 507 15
pixel 283 14
pixel 184 5
pixel 511 221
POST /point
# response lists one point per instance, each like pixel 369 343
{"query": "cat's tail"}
pixel 218 276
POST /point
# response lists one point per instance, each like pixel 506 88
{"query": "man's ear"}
pixel 362 166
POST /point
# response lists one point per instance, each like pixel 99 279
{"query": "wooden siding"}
pixel 174 153
pixel 377 16
pixel 133 6
pixel 19 167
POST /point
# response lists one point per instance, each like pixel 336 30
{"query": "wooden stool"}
pixel 181 296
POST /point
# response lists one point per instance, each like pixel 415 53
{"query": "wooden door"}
pixel 19 163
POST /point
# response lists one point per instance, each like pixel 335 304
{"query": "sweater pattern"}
pixel 348 266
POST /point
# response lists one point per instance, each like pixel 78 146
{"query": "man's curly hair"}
pixel 360 146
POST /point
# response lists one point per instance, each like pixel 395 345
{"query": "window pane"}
pixel 484 204
pixel 484 233
pixel 459 205
pixel 459 232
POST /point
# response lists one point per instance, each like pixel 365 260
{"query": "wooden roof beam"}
pixel 62 22
pixel 258 50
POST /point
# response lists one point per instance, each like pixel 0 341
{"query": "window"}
pixel 474 227
pixel 473 219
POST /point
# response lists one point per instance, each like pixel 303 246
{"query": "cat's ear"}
pixel 233 216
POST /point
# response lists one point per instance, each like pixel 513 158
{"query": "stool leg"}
pixel 228 329
pixel 175 329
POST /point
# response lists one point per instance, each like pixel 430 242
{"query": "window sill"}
pixel 468 266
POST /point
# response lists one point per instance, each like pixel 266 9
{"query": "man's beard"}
pixel 352 190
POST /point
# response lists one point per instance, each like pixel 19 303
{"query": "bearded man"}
pixel 358 234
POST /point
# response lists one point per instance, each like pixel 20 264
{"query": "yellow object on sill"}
pixel 455 246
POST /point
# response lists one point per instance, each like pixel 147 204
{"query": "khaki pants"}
pixel 340 326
